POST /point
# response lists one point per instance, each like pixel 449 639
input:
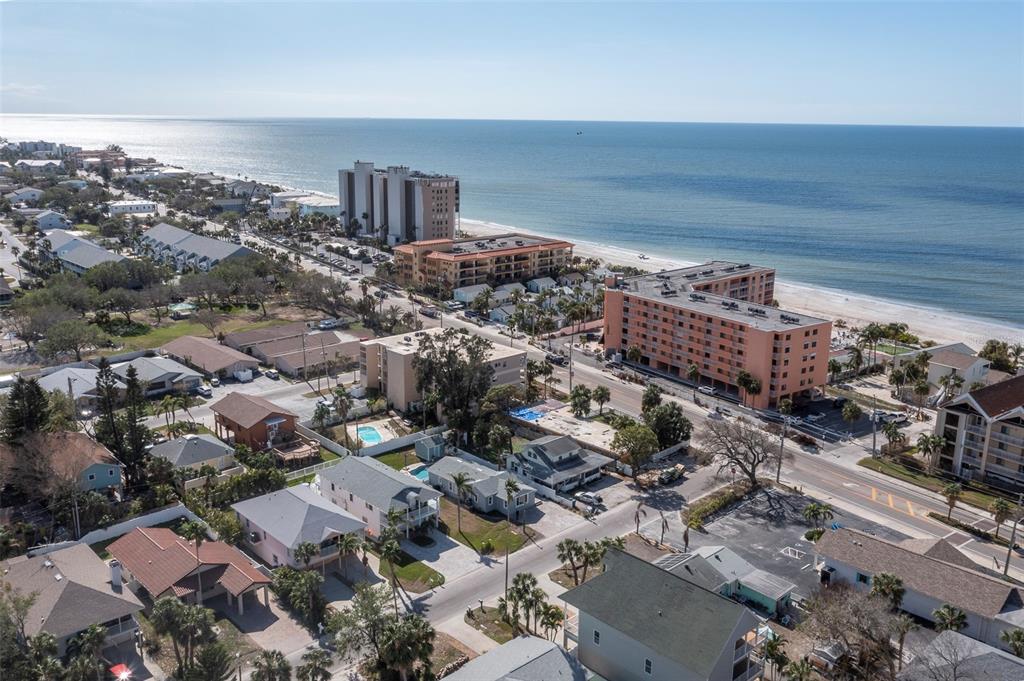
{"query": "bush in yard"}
pixel 486 547
pixel 716 501
pixel 814 534
pixel 299 591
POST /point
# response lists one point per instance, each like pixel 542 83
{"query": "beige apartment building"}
pixel 675 324
pixel 984 433
pixel 398 205
pixel 386 364
pixel 451 264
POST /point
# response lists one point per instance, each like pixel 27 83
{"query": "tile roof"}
pixel 669 615
pixel 191 450
pixel 995 400
pixel 247 410
pixel 207 354
pixel 381 485
pixel 161 560
pixel 297 514
pixel 960 586
pixel 72 588
pixel 525 658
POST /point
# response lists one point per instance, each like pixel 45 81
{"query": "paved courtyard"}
pixel 271 628
pixel 445 555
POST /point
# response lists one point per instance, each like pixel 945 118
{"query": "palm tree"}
pixel 953 491
pixel 601 395
pixel 897 379
pixel 774 653
pixel 271 665
pixel 856 360
pixel 89 646
pixel 306 551
pixel 951 383
pixel 929 446
pixel 921 391
pixel 166 619
pixel 743 379
pixel 569 551
pixel 904 625
pixel 889 587
pixel 316 666
pixel 343 405
pixel 1001 511
pixel 390 552
pixel 798 670
pixel 693 373
pixel 834 369
pixel 196 626
pixel 949 618
pixel 1015 639
pixel 633 355
pixel 511 489
pixel 463 485
pixel 551 618
pixel 817 514
pixel 348 545
pixel 411 641
pixel 167 406
pixel 893 434
pixel 195 532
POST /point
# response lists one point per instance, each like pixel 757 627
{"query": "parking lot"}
pixel 830 424
pixel 768 532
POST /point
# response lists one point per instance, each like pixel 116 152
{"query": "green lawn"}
pixel 327 455
pixel 476 528
pixel 100 547
pixel 415 576
pixel 863 400
pixel 934 483
pixel 490 624
pixel 304 479
pixel 398 459
pixel 160 335
pixel 891 349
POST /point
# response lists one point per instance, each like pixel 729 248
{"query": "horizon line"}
pixel 202 117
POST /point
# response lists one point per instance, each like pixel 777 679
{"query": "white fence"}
pixel 326 442
pixel 400 442
pixel 224 475
pixel 157 517
pixel 315 468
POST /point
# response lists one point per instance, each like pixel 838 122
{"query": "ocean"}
pixel 922 215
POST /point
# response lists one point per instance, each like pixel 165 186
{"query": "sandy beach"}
pixel 928 323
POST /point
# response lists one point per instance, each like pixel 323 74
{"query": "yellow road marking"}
pixel 910 507
pixel 874 494
pixel 891 504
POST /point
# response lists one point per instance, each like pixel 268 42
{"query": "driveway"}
pixel 551 519
pixel 447 556
pixel 269 627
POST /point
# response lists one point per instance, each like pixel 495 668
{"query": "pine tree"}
pixel 136 434
pixel 108 427
pixel 27 410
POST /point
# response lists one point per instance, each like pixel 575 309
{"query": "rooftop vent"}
pixel 697 296
pixel 757 311
pixel 691 276
pixel 707 272
pixel 743 266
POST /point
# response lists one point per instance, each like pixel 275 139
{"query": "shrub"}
pixel 814 534
pixel 715 502
pixel 486 547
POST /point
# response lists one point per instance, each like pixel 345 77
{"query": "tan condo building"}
pixel 675 323
pixel 386 364
pixel 451 264
pixel 398 205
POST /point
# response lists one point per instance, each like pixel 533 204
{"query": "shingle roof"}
pixel 83 380
pixel 72 453
pixel 247 410
pixel 486 481
pixel 150 369
pixel 953 655
pixel 265 334
pixel 967 589
pixel 381 485
pixel 78 251
pixel 195 244
pixel 525 658
pixel 995 400
pixel 669 615
pixel 952 358
pixel 939 549
pixel 552 469
pixel 191 449
pixel 160 560
pixel 207 354
pixel 297 514
pixel 81 596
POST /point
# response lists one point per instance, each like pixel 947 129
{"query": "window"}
pixel 369 507
pixel 350 496
pixel 863 579
pixel 597 637
pixel 91 476
pixel 647 666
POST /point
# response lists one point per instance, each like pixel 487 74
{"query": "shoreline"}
pixel 929 323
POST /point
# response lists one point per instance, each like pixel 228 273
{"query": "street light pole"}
pixel 1013 535
pixel 874 426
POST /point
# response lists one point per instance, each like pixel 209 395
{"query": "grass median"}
pixel 934 483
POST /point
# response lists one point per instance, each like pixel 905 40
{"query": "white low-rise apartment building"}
pixel 130 207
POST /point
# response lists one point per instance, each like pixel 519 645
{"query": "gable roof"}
pixel 83 380
pixel 675 618
pixel 995 400
pixel 247 410
pixel 161 560
pixel 72 453
pixel 78 251
pixel 486 481
pixel 194 244
pixel 150 369
pixel 525 658
pixel 381 485
pixel 551 464
pixel 965 588
pixel 297 514
pixel 939 549
pixel 191 449
pixel 265 334
pixel 72 588
pixel 957 360
pixel 205 353
pixel 972 659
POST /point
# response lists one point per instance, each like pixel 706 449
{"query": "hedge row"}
pixel 969 529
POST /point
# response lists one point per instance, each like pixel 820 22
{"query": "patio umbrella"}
pixel 121 672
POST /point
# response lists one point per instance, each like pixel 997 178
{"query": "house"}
pixel 308 205
pixel 720 569
pixel 160 375
pixel 39 166
pixel 467 294
pixel 487 492
pixel 185 250
pixel 76 456
pixel 74 589
pixel 253 421
pixel 540 284
pixel 164 564
pixel 368 489
pixel 524 658
pixel 934 574
pixel 210 357
pixel 24 195
pixel 76 254
pixel 131 207
pixel 308 354
pixel 557 462
pixel 953 358
pixel 502 313
pixel 276 523
pixel 245 341
pixel 636 621
pixel 79 382
pixel 431 448
pixel 74 184
pixel 984 435
pixel 951 655
pixel 285 198
pixel 51 219
pixel 195 451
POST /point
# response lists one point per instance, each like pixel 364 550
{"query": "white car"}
pixel 814 418
pixel 588 498
pixel 706 390
pixel 325 324
pixel 205 391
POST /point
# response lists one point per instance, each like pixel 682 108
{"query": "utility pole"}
pixel 782 447
pixel 874 427
pixel 1013 535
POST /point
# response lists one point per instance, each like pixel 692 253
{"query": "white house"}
pixel 541 284
pixel 74 184
pixel 128 207
pixel 51 219
pixel 283 199
pixel 309 205
pixel 368 489
pixel 24 195
pixel 39 166
pixel 487 492
pixel 467 294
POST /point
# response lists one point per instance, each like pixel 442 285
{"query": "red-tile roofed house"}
pixel 164 564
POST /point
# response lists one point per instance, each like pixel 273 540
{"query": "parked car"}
pixel 588 498
pixel 897 417
pixel 272 374
pixel 205 391
pixel 815 417
pixel 671 474
pixel 431 312
pixel 327 402
pixel 325 324
pixel 215 382
pixel 555 359
pixel 706 390
pixel 840 402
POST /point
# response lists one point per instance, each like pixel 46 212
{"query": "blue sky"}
pixel 821 62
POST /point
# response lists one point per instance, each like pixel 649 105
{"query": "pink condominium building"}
pixel 718 317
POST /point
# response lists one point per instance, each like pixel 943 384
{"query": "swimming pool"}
pixel 526 414
pixel 369 435
pixel 420 472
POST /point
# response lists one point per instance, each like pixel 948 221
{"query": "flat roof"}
pixel 409 343
pixel 670 292
pixel 501 242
